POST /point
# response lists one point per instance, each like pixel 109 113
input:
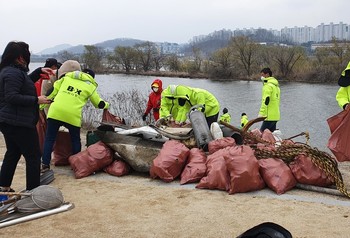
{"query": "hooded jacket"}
pixel 226 117
pixel 343 94
pixel 70 94
pixel 182 98
pixel 154 99
pixel 344 79
pixel 270 103
pixel 244 120
pixel 18 99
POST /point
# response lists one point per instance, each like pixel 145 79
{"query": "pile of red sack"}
pixel 226 166
pixel 96 157
pixel 234 168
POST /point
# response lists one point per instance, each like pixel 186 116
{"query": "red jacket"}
pixel 40 82
pixel 154 100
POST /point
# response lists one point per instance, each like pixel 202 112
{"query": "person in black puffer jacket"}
pixel 19 112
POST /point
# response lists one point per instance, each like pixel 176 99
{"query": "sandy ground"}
pixel 137 206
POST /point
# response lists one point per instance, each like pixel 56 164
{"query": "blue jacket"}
pixel 18 99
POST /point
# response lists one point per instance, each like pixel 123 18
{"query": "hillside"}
pixel 79 49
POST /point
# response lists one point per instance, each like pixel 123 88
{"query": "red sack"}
pixel 216 176
pixel 109 117
pixel 221 143
pixel 170 161
pixel 38 83
pixel 336 120
pixel 256 132
pixel 96 157
pixel 195 168
pixel 243 168
pixel 339 140
pixel 306 172
pixel 268 136
pixel 117 168
pixel 41 129
pixel 62 149
pixel 277 175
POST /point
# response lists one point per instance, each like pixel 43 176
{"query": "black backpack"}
pixel 266 230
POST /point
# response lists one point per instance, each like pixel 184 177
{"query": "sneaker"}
pixel 44 168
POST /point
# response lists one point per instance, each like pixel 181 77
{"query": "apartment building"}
pixel 322 33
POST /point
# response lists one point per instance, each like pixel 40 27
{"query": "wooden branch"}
pixel 319 189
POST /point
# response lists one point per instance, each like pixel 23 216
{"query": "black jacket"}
pixel 18 99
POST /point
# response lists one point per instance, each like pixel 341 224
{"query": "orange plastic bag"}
pixel 338 142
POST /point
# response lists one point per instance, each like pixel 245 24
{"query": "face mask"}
pixel 262 78
pixel 155 89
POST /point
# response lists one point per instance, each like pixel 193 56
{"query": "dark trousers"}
pixel 271 125
pixel 51 134
pixel 20 141
pixel 212 119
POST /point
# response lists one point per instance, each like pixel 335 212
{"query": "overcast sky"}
pixel 44 24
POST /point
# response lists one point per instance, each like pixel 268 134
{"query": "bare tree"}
pixel 246 52
pixel 339 51
pixel 223 57
pixel 264 58
pixel 65 55
pixel 222 63
pixel 93 57
pixel 173 63
pixel 159 61
pixel 286 58
pixel 146 54
pixel 112 61
pixel 330 61
pixel 126 56
pixel 198 58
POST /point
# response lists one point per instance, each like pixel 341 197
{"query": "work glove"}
pixel 203 108
pixel 160 121
pixel 144 117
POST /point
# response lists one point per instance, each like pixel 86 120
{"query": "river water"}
pixel 304 107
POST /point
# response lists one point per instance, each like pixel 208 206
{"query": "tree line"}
pixel 242 58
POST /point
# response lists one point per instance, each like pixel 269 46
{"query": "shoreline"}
pixel 201 76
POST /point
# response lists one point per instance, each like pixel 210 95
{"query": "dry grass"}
pixel 129 105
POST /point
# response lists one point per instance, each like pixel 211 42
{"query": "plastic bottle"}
pixel 216 131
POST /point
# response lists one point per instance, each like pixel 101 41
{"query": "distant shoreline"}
pixel 203 76
pixel 190 76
